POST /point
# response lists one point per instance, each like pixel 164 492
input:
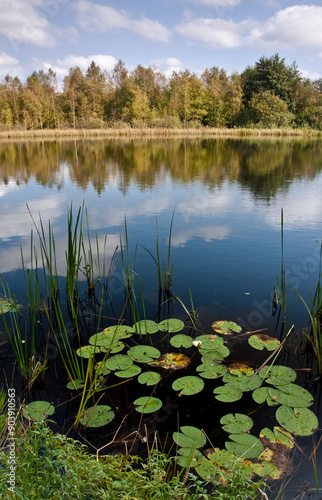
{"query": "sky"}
pixel 168 35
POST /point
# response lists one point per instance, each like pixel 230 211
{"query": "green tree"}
pixel 268 110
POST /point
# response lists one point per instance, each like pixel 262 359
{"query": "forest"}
pixel 270 94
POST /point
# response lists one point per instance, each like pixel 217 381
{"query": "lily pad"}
pixel 261 341
pixel 149 378
pixel 188 385
pixel 189 437
pixel 97 416
pixel 236 423
pixel 265 469
pixel 113 348
pixel 278 375
pixel 130 372
pixel 210 342
pixel 146 326
pixel 181 340
pixel 279 436
pixel 38 410
pixel 147 404
pixel 118 362
pixel 211 356
pixel 171 325
pixel 244 445
pixel 8 306
pixel 228 393
pixel 121 331
pixel 101 368
pixel 298 421
pixel 261 395
pixel 211 370
pixel 243 381
pixel 240 369
pixel 75 384
pixel 87 350
pixel 187 457
pixel 143 353
pixel 171 361
pixel 291 395
pixel 226 327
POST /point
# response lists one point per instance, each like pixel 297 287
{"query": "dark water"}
pixel 227 195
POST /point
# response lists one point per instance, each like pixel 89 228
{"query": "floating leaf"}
pixel 291 395
pixel 143 353
pixel 113 348
pixel 211 370
pixel 189 458
pixel 181 341
pixel 97 416
pixel 121 331
pixel 147 404
pixel 149 378
pixel 240 369
pixel 236 423
pixel 226 327
pixel 228 393
pixel 171 361
pixel 130 372
pixel 210 342
pixel 279 436
pixel 260 341
pixel 298 421
pixel 244 445
pixel 8 306
pixel 75 384
pixel 243 381
pixel 265 469
pixel 189 437
pixel 146 326
pixel 101 368
pixel 118 362
pixel 211 356
pixel 261 395
pixel 278 375
pixel 188 385
pixel 171 325
pixel 87 350
pixel 38 410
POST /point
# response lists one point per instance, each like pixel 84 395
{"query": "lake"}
pixel 224 198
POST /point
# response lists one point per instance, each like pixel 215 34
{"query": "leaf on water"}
pixel 149 378
pixel 143 353
pixel 75 384
pixel 278 375
pixel 291 395
pixel 189 385
pixel 189 437
pixel 260 341
pixel 279 436
pixel 113 348
pixel 146 326
pixel 211 370
pixel 181 340
pixel 189 458
pixel 118 362
pixel 97 416
pixel 261 395
pixel 265 469
pixel 171 361
pixel 244 445
pixel 171 325
pixel 87 350
pixel 236 423
pixel 130 372
pixel 228 393
pixel 226 327
pixel 239 369
pixel 147 404
pixel 298 421
pixel 211 357
pixel 121 331
pixel 101 368
pixel 243 381
pixel 38 410
pixel 7 305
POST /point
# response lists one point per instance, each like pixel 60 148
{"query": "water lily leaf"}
pixel 261 395
pixel 8 306
pixel 38 410
pixel 291 395
pixel 147 404
pixel 221 353
pixel 298 421
pixel 210 342
pixel 189 437
pixel 101 368
pixel 130 372
pixel 87 350
pixel 188 385
pixel 120 331
pixel 211 370
pixel 112 348
pixel 226 327
pixel 240 369
pixel 146 326
pixel 181 340
pixel 143 353
pixel 97 416
pixel 189 457
pixel 265 469
pixel 279 436
pixel 149 378
pixel 75 384
pixel 278 375
pixel 228 393
pixel 236 423
pixel 109 336
pixel 260 341
pixel 171 325
pixel 243 381
pixel 244 445
pixel 118 362
pixel 211 356
pixel 171 361
pixel 210 471
pixel 267 434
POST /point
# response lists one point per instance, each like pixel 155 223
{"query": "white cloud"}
pixel 61 67
pixel 93 17
pixel 217 32
pixel 8 64
pixel 312 75
pixel 218 3
pixel 167 65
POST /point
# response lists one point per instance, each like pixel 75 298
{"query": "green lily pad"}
pixel 298 421
pixel 244 445
pixel 171 361
pixel 101 368
pixel 260 341
pixel 211 370
pixel 8 306
pixel 38 410
pixel 211 356
pixel 210 342
pixel 181 340
pixel 130 372
pixel 171 325
pixel 143 353
pixel 146 326
pixel 113 348
pixel 118 362
pixel 279 435
pixel 187 457
pixel 226 327
pixel 149 378
pixel 188 385
pixel 261 395
pixel 291 395
pixel 87 350
pixel 75 384
pixel 240 369
pixel 121 331
pixel 243 382
pixel 278 375
pixel 189 437
pixel 265 469
pixel 147 404
pixel 228 393
pixel 97 416
pixel 236 423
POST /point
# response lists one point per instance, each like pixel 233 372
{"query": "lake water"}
pixel 225 196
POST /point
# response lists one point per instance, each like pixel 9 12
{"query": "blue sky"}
pixel 166 34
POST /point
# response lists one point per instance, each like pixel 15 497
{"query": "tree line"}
pixel 267 95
